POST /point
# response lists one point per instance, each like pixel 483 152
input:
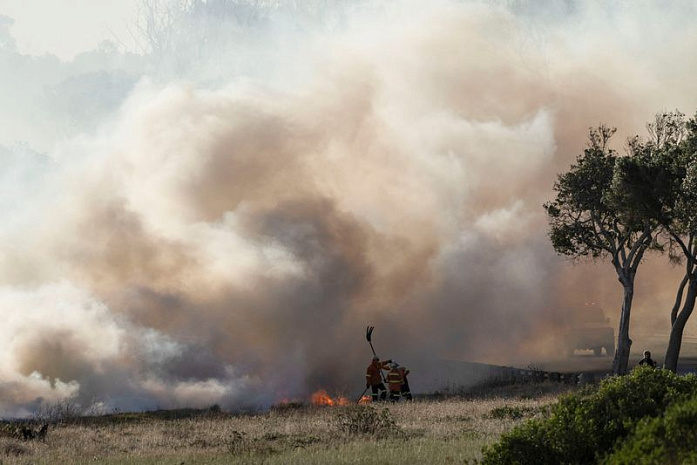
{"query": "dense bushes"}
pixel 667 439
pixel 586 427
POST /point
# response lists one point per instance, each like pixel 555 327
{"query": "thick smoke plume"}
pixel 227 231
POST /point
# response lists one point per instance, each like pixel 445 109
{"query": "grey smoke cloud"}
pixel 226 238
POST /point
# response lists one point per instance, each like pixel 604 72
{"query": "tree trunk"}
pixel 624 343
pixel 678 299
pixel 675 341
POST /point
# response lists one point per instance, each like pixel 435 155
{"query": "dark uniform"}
pixel 647 360
pixel 373 379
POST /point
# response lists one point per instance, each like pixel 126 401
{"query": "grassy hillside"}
pixel 429 430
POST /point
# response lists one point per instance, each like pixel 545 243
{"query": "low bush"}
pixel 8 430
pixel 670 438
pixel 239 443
pixel 364 419
pixel 582 428
pixel 14 449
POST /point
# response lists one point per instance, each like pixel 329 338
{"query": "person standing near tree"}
pixel 373 379
pixel 647 360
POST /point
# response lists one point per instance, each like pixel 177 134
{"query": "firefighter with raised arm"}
pixel 373 378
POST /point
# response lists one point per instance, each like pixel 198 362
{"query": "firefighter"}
pixel 373 379
pixel 395 379
pixel 405 391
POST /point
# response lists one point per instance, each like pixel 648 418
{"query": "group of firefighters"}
pixel 396 379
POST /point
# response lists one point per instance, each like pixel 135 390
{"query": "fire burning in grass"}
pixel 322 398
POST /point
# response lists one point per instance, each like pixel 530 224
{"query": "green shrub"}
pixel 584 427
pixel 666 439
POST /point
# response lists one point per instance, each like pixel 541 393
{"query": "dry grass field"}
pixel 426 431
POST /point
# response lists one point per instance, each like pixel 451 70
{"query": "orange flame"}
pixel 364 400
pixel 322 398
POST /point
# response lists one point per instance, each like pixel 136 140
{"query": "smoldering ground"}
pixel 226 236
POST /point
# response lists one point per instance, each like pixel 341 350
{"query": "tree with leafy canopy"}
pixel 588 220
pixel 666 165
pixel 683 232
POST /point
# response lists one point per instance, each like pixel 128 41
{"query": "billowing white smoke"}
pixel 228 243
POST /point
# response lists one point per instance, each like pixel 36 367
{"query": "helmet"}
pixel 376 359
pixel 394 365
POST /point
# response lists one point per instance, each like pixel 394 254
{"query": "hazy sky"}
pixel 218 220
pixel 67 27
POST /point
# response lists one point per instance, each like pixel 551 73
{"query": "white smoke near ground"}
pixel 226 234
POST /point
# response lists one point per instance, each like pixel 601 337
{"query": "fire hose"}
pixel 361 396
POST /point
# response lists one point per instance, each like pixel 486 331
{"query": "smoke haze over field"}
pixel 216 221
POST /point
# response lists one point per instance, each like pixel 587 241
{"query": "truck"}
pixel 589 329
